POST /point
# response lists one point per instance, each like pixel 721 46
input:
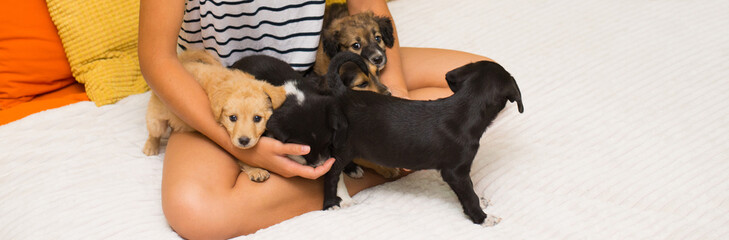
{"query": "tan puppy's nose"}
pixel 244 141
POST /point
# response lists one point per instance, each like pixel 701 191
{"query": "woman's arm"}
pixel 392 74
pixel 159 26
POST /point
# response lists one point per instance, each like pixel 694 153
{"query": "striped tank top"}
pixel 286 29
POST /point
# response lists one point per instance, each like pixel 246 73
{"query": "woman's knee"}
pixel 191 212
pixel 426 67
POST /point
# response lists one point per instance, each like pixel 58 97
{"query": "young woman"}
pixel 204 194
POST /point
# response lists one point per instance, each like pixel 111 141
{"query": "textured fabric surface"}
pixel 32 61
pixel 100 40
pixel 624 136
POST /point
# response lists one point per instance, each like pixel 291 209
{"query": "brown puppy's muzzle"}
pixel 375 56
pixel 378 60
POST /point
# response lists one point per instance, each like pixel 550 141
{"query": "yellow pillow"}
pixel 100 41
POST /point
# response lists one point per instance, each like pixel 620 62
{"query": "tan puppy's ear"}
pixel 199 55
pixel 276 94
pixel 218 96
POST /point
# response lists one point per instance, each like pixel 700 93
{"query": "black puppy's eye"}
pixel 363 85
pixel 257 118
pixel 356 46
pixel 378 39
pixel 233 118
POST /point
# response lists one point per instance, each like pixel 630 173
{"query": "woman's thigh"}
pixel 424 69
pixel 204 194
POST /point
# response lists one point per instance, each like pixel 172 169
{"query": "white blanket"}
pixel 625 135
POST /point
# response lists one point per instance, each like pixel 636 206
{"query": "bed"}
pixel 625 135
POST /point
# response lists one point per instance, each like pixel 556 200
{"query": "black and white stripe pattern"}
pixel 285 29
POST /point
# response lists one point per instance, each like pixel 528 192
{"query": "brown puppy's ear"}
pixel 276 94
pixel 386 30
pixel 330 45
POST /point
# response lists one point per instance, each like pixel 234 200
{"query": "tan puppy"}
pixel 240 103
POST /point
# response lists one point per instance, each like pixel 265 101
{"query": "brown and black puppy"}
pixel 364 34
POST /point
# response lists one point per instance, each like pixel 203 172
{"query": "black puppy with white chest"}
pixel 309 115
pixel 442 134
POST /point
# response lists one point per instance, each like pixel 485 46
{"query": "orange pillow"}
pixel 70 94
pixel 32 60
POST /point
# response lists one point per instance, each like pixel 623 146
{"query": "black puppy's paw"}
pixel 484 202
pixel 354 171
pixel 490 221
pixel 332 204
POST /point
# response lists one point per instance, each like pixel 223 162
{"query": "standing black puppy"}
pixel 443 134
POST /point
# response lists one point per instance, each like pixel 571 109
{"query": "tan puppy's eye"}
pixel 356 46
pixel 233 118
pixel 257 118
pixel 378 39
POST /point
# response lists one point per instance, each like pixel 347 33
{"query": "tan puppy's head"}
pixel 366 35
pixel 243 106
pixel 199 56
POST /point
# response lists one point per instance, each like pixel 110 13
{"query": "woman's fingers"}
pixel 292 168
pixel 293 149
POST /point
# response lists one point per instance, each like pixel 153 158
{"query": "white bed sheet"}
pixel 624 136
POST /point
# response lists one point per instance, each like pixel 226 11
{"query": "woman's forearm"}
pixel 392 74
pixel 158 30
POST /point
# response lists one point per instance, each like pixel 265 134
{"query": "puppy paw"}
pixel 257 174
pixel 490 221
pixel 347 203
pixel 484 202
pixel 358 172
pixel 388 172
pixel 332 204
pixel 150 148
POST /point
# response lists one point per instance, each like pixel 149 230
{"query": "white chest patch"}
pixel 291 89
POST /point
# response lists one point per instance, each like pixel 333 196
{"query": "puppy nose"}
pixel 377 60
pixel 244 141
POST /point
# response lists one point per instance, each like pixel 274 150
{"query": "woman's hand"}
pixel 270 154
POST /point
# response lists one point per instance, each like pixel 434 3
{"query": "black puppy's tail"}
pixel 332 80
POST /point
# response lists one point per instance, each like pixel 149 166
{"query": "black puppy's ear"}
pixel 274 129
pixel 329 42
pixel 455 77
pixel 386 30
pixel 515 95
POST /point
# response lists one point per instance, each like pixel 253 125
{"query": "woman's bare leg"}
pixel 205 195
pixel 424 70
